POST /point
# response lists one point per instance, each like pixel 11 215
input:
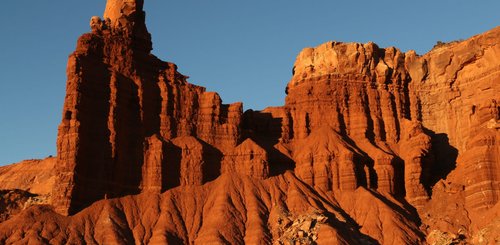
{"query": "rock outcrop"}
pixel 120 100
pixel 373 145
pixel 248 158
pixel 34 176
pixel 361 92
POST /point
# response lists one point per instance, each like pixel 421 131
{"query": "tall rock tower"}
pixel 122 107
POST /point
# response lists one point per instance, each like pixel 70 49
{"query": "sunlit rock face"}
pixel 372 146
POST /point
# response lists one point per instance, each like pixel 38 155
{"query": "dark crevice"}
pixel 213 158
pixel 445 156
pixel 266 131
pixel 395 116
pixel 399 177
pixel 171 167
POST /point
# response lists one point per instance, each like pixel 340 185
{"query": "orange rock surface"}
pixel 35 176
pixel 372 146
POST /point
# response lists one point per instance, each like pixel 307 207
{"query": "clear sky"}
pixel 244 50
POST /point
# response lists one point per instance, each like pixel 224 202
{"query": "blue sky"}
pixel 244 50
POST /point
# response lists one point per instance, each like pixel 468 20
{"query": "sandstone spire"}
pixel 127 18
pixel 116 8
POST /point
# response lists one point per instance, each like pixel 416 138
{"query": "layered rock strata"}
pixel 121 100
pixel 249 159
pixel 359 94
pixel 458 91
pixel 146 157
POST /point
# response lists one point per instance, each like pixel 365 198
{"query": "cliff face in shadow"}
pixel 373 145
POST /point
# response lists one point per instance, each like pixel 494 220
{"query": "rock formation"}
pixel 35 176
pixel 120 100
pixel 248 158
pixel 373 145
pixel 359 94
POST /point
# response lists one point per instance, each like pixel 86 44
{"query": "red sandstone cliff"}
pixel 122 107
pixel 373 145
